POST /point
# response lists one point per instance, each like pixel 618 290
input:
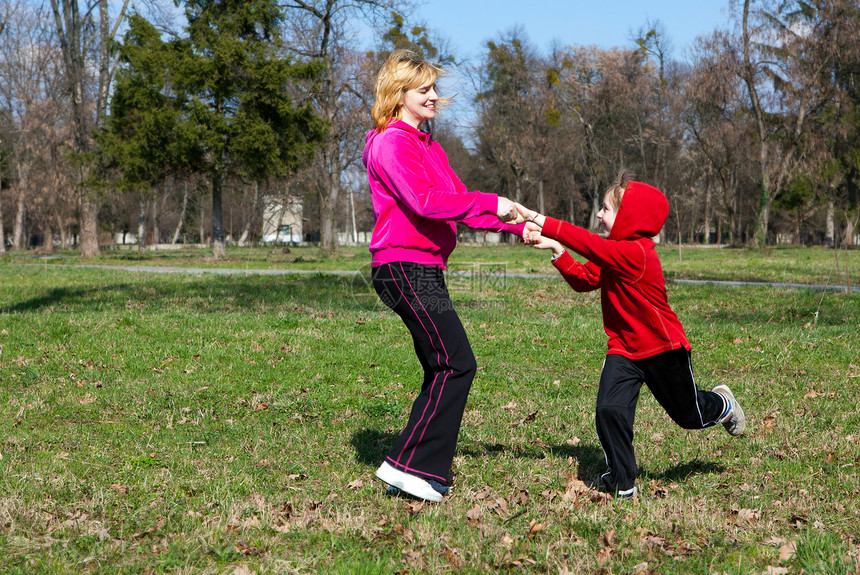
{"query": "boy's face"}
pixel 606 217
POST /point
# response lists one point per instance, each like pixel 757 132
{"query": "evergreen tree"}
pixel 238 90
pixel 219 100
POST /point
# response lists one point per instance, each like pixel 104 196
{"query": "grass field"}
pixel 782 265
pixel 203 423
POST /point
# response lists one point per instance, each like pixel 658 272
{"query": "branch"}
pixel 119 19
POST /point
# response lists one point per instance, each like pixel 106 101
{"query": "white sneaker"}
pixel 733 418
pixel 411 484
pixel 628 493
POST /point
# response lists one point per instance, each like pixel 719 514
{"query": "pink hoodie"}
pixel 417 198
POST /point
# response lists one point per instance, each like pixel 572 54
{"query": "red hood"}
pixel 642 213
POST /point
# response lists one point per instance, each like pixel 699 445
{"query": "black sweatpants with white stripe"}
pixel 418 294
pixel 669 376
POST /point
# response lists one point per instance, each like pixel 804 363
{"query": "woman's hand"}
pixel 507 211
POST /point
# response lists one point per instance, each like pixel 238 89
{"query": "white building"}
pixel 282 224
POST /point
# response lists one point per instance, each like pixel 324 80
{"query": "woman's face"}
pixel 418 105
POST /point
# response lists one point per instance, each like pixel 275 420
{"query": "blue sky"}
pixel 468 24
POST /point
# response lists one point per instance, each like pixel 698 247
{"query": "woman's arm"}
pixel 400 163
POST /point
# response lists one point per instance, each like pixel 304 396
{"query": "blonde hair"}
pixel 403 71
pixel 615 192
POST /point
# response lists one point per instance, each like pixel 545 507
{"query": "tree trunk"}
pixel 541 199
pixel 706 239
pixel 765 198
pixel 48 241
pixel 595 207
pixel 89 228
pixel 850 226
pixel 352 212
pixel 64 233
pixel 246 230
pixel 156 232
pixel 720 231
pixel 2 235
pixel 141 224
pixel 18 224
pixel 830 225
pixel 331 170
pixel 218 249
pixel 178 229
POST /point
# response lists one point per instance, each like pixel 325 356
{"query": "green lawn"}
pixel 210 423
pixel 784 265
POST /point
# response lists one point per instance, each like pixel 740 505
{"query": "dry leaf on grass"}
pixel 412 558
pixel 475 514
pixel 787 551
pixel 483 493
pixel 357 484
pixel 415 507
pixel 535 527
pixel 499 505
pixel 530 417
pixel 748 515
pixel 521 497
pixel 575 488
pixel 120 489
pixel 407 534
pixel 774 541
pixel 642 569
pixel 608 538
pixel 453 557
pixel 604 554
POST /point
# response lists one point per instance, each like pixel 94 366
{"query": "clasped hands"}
pixel 515 213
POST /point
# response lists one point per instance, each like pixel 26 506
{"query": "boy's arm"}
pixel 581 277
pixel 493 224
pixel 625 257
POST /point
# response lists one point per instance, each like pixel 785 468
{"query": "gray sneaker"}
pixel 733 418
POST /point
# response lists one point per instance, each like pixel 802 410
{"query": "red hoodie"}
pixel 636 313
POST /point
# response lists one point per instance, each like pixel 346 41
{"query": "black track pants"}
pixel 417 293
pixel 669 376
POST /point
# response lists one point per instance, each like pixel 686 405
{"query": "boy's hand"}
pixel 543 243
pixel 531 230
pixel 528 215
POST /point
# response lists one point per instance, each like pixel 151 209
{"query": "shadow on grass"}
pixel 682 471
pixel 589 458
pixel 202 292
pixel 372 445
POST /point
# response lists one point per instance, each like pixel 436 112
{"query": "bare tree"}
pixel 80 39
pixel 326 30
pixel 714 117
pixel 31 76
pixel 781 72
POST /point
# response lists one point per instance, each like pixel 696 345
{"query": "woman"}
pixel 417 199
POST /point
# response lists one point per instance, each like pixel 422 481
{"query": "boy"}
pixel 647 342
